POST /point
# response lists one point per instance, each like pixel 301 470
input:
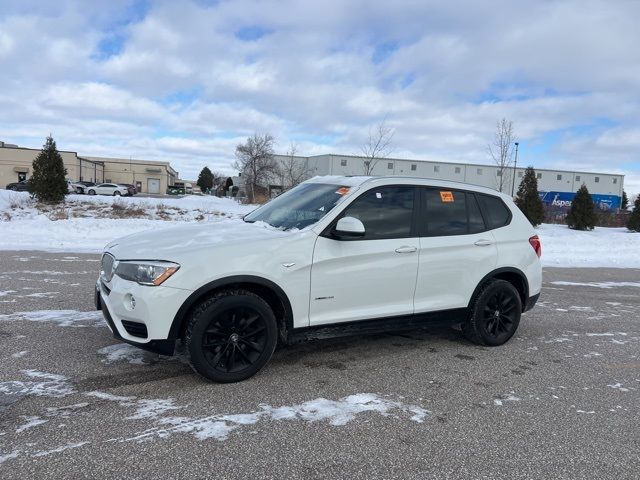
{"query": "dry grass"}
pixel 58 214
pixel 6 217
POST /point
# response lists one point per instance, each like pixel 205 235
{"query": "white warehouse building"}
pixel 557 187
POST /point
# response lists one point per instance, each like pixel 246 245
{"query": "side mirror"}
pixel 349 227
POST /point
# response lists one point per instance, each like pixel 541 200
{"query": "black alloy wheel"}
pixel 231 336
pixel 495 314
pixel 235 339
pixel 499 314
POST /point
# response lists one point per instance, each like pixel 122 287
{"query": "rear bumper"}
pixel 531 302
pixel 162 347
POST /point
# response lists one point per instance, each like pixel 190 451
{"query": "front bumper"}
pixel 148 323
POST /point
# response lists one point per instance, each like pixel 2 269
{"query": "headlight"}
pixel 146 273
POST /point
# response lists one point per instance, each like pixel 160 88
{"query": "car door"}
pixel 456 249
pixel 371 276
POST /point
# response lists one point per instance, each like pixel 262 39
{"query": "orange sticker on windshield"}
pixel 342 191
pixel 446 197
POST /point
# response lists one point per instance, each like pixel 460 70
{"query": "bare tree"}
pixel 501 150
pixel 293 170
pixel 256 162
pixel 377 146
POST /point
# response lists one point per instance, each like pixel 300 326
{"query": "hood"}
pixel 170 243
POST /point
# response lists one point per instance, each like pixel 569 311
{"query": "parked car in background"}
pixel 71 187
pixel 108 189
pixel 131 188
pixel 82 186
pixel 18 186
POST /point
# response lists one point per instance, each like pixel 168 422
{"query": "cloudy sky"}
pixel 187 81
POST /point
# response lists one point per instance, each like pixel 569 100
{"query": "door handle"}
pixel 483 243
pixel 406 249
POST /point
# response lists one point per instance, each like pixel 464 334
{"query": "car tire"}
pixel 230 336
pixel 79 191
pixel 494 314
pixel 13 189
pixel 91 192
pixel 116 193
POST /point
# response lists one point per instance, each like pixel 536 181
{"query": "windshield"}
pixel 300 207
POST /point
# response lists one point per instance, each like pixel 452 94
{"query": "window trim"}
pixel 413 233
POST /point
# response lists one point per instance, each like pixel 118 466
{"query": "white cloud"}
pixel 178 84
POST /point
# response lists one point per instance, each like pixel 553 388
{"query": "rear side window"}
pixel 495 211
pixel 386 212
pixel 450 212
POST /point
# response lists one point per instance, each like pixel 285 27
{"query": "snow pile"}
pixel 88 223
pixel 602 247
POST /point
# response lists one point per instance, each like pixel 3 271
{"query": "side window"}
pixel 446 212
pixel 495 211
pixel 386 212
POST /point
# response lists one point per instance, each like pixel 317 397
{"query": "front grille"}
pixel 135 329
pixel 107 267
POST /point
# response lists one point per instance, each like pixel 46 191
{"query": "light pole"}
pixel 515 166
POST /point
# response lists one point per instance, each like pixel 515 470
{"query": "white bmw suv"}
pixel 362 253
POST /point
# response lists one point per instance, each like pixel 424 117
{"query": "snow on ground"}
pixel 88 223
pixel 62 318
pixel 219 426
pixel 602 247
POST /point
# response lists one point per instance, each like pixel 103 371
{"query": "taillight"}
pixel 536 244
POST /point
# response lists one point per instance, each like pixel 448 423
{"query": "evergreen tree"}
pixel 48 182
pixel 634 220
pixel 625 202
pixel 528 199
pixel 205 179
pixel 582 215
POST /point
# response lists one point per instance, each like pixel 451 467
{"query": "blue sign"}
pixel 564 199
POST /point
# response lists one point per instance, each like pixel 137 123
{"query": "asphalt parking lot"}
pixel 560 400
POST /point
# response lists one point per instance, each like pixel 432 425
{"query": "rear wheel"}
pixel 231 336
pixel 495 314
pixel 15 189
pixel 116 193
pixel 91 192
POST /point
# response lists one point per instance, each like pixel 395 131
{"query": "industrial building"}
pixel 556 187
pixel 148 176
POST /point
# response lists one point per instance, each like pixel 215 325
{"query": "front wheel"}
pixel 92 192
pixel 495 314
pixel 14 189
pixel 231 336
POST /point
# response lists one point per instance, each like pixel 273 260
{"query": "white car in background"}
pixel 108 189
pixel 367 254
